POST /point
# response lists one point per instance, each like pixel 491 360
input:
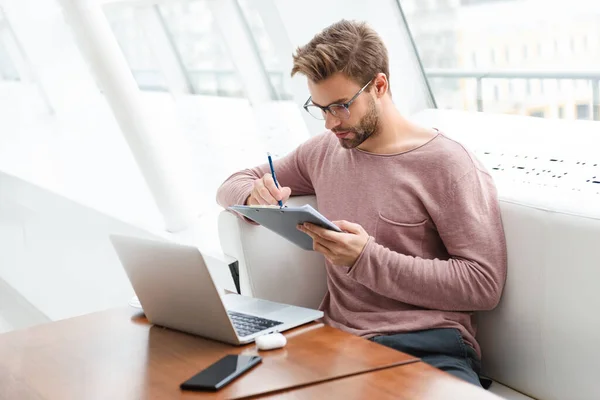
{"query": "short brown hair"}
pixel 350 47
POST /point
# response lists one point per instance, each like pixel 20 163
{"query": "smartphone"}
pixel 220 373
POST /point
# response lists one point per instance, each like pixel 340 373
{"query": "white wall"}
pixel 79 151
pixel 56 252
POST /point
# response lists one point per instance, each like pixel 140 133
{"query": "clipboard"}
pixel 283 221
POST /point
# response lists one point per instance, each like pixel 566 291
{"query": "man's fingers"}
pixel 266 196
pixel 317 238
pixel 269 183
pixel 323 233
pixel 286 192
pixel 323 249
pixel 348 226
pixel 262 194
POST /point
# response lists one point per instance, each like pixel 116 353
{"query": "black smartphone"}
pixel 220 373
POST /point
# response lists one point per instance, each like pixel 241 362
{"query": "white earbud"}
pixel 271 341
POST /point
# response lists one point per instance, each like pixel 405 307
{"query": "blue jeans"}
pixel 442 348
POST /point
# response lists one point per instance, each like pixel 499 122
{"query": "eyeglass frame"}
pixel 327 108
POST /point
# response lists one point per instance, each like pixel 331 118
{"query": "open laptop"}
pixel 176 290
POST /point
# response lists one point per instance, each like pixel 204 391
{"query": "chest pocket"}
pixel 402 237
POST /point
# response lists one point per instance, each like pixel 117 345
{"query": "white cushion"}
pixel 542 337
pixel 271 267
pixel 507 393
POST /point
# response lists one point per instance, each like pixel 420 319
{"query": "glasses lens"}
pixel 340 112
pixel 315 111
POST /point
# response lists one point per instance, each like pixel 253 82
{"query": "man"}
pixel 423 244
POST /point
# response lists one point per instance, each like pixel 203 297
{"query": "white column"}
pixel 161 156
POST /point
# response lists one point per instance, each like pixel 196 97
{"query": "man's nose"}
pixel 331 121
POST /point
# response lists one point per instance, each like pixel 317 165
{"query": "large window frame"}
pixel 232 30
pixel 23 78
pixel 489 75
pixel 9 71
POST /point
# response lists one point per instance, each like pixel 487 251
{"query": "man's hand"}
pixel 265 192
pixel 341 249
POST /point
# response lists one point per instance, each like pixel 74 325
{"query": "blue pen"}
pixel 274 177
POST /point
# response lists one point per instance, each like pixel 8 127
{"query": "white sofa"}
pixel 542 340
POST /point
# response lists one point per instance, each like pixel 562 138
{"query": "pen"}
pixel 274 177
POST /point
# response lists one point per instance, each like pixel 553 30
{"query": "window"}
pixel 188 38
pixel 278 76
pixel 509 39
pixel 543 86
pixel 129 31
pixel 8 70
pixel 538 114
pixel 201 48
pixel 583 111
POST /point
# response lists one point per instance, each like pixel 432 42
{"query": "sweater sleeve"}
pixel 291 170
pixel 469 224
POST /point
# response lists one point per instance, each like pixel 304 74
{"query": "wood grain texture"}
pixel 416 381
pixel 117 354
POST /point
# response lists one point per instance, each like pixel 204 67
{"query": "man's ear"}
pixel 380 84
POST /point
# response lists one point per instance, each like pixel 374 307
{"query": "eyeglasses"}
pixel 340 111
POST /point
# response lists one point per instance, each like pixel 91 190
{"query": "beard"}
pixel 366 127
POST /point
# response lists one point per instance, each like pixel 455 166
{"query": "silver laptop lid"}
pixel 174 287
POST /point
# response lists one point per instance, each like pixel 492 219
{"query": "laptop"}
pixel 177 291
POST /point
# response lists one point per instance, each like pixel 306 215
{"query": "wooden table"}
pixel 117 354
pixel 415 381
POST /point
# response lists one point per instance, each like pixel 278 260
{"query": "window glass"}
pixel 278 76
pixel 202 50
pixel 511 56
pixel 8 71
pixel 129 31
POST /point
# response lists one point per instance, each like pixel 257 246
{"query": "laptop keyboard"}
pixel 245 324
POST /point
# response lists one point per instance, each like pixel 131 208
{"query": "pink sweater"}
pixel 436 251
